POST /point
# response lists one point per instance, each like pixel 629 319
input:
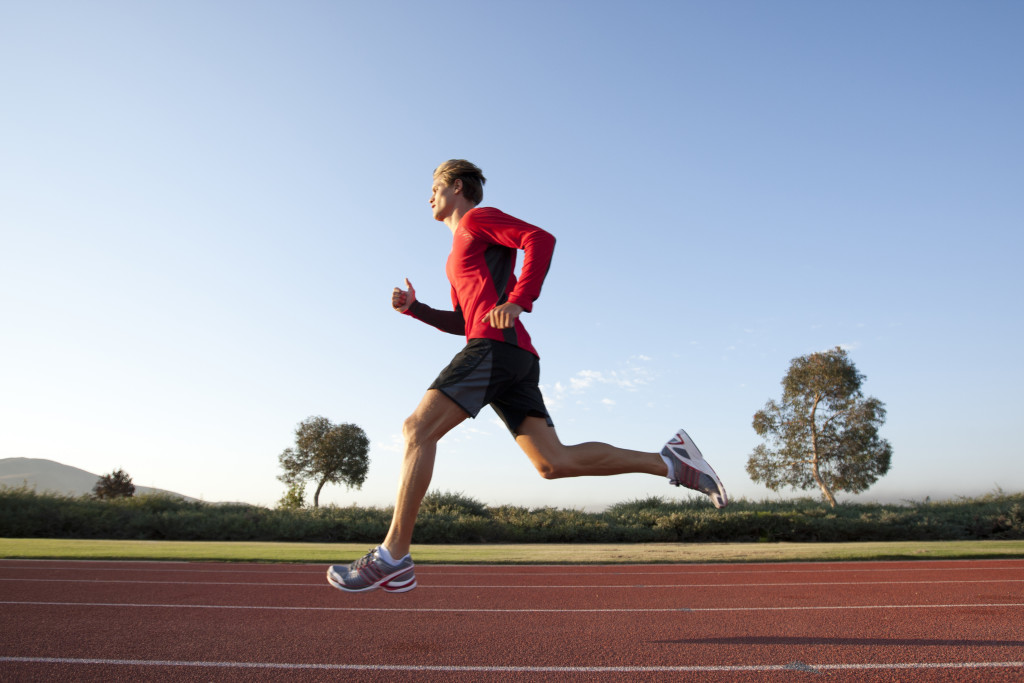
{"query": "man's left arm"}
pixel 537 245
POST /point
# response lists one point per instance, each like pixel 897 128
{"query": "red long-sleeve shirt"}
pixel 481 269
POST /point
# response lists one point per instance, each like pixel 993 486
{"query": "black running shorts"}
pixel 496 373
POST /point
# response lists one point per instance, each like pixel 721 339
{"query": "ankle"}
pixel 392 557
pixel 668 467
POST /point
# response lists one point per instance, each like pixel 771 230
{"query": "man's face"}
pixel 442 198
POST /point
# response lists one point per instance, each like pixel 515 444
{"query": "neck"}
pixel 452 220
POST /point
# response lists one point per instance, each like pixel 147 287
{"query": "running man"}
pixel 498 367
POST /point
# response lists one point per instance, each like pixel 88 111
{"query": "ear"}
pixel 457 186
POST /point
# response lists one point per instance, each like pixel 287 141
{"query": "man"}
pixel 498 367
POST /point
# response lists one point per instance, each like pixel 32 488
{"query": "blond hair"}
pixel 470 174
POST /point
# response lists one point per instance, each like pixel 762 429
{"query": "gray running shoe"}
pixel 371 572
pixel 690 469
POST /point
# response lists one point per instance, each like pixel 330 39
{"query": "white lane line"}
pixel 163 570
pixel 673 586
pixel 121 582
pixel 530 570
pixel 579 570
pixel 463 610
pixel 792 666
pixel 909 562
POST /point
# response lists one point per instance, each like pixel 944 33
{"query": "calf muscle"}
pixel 554 460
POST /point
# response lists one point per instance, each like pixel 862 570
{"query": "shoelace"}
pixel 364 560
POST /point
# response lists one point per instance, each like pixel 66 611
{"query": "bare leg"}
pixel 435 416
pixel 554 460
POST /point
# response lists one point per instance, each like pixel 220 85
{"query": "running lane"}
pixel 884 621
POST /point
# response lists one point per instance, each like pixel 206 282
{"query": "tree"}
pixel 824 432
pixel 117 484
pixel 327 454
pixel 294 498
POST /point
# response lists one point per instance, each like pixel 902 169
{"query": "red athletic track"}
pixel 875 621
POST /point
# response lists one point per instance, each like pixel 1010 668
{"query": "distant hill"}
pixel 47 475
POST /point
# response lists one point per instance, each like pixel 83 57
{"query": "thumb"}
pixel 408 284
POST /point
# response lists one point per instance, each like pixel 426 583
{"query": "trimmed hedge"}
pixel 455 518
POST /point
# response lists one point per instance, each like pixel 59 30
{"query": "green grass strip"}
pixel 639 553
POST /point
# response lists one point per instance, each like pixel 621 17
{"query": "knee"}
pixel 549 469
pixel 545 470
pixel 414 431
pixel 549 456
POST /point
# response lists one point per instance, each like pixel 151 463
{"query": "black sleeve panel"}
pixel 451 322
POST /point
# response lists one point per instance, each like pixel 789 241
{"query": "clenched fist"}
pixel 402 299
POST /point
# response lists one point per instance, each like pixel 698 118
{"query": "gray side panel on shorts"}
pixel 471 392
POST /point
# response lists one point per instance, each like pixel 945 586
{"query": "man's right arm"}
pixel 404 301
pixel 451 322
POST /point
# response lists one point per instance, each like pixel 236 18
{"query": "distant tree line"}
pixel 456 518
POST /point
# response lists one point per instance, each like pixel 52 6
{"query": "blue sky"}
pixel 204 208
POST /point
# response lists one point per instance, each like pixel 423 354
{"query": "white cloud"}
pixel 585 379
pixel 394 444
pixel 465 432
pixel 631 377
